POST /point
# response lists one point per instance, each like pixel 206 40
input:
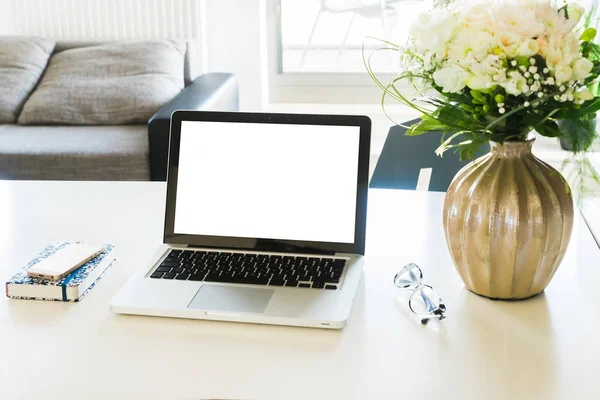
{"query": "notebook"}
pixel 73 287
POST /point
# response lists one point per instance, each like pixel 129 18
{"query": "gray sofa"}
pixel 75 139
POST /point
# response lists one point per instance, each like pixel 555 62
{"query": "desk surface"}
pixel 543 348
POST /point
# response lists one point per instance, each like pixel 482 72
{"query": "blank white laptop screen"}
pixel 269 181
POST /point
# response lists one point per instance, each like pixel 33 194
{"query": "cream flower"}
pixel 575 12
pixel 572 47
pixel 490 71
pixel 553 21
pixel 516 84
pixel 509 43
pixel 567 45
pixel 471 40
pixel 432 30
pixel 452 78
pixel 478 44
pixel 528 48
pixel 480 82
pixel 543 46
pixel 476 15
pixel 563 74
pixel 554 59
pixel 517 17
pixel 582 68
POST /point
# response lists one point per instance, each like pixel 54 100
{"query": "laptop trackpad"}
pixel 227 298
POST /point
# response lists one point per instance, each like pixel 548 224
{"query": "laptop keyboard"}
pixel 251 268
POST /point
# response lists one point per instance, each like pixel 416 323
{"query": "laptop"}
pixel 265 221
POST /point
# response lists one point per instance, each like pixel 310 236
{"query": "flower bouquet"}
pixel 494 71
pixel 500 69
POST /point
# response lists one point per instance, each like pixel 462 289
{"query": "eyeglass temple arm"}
pixel 440 314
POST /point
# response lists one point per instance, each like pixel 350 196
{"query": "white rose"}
pixel 584 94
pixel 553 21
pixel 476 15
pixel 422 37
pixel 451 78
pixel 460 46
pixel 509 43
pixel 458 49
pixel 582 69
pixel 516 84
pixel 490 70
pixel 517 17
pixel 562 74
pixel 480 82
pixel 528 48
pixel 471 41
pixel 483 43
pixel 432 30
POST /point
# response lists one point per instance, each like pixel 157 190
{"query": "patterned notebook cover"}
pixel 75 278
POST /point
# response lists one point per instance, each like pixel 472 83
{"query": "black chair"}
pixel 403 157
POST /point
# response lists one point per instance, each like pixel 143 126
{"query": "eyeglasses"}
pixel 424 301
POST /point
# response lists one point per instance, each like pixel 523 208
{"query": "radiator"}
pixel 107 19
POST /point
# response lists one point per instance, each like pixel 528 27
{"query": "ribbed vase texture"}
pixel 508 218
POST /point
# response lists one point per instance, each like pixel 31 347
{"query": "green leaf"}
pixel 587 109
pixel 549 129
pixel 469 150
pixel 593 74
pixel 591 51
pixel 467 108
pixel 595 88
pixel 427 124
pixel 580 133
pixel 454 116
pixel 588 35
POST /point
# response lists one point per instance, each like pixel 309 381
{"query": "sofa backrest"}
pixel 192 63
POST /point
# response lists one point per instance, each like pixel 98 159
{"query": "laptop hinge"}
pixel 275 247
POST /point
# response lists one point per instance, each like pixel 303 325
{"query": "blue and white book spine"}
pixel 73 287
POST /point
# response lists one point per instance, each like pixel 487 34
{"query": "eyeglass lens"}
pixel 409 276
pixel 424 302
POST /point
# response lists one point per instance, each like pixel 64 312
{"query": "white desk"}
pixel 544 348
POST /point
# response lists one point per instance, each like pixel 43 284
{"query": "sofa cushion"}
pixel 22 62
pixel 74 152
pixel 111 84
pixel 192 62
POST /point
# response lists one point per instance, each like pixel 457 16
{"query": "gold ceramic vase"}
pixel 508 218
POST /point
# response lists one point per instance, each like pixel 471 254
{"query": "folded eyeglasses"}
pixel 424 301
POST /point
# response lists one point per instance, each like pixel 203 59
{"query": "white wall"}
pixel 6 21
pixel 236 42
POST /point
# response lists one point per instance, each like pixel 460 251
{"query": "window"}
pixel 315 47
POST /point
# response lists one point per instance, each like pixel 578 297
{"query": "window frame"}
pixel 311 87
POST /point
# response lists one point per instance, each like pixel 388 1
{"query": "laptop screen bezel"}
pixel 260 244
